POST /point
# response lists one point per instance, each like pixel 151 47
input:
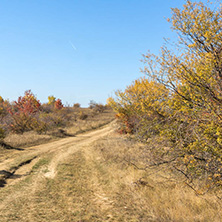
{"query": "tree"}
pixel 194 75
pixel 51 100
pixel 23 112
pixel 142 103
pixel 191 71
pixel 58 104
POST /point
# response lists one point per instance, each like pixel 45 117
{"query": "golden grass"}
pixel 153 195
pixel 97 183
pixel 26 139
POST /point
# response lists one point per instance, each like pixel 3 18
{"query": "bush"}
pixel 23 113
pixel 58 104
pixel 142 103
pixel 83 116
pixel 51 100
pixel 76 105
pixel 4 107
pixel 181 98
pixel 2 134
pixel 47 108
pixel 96 106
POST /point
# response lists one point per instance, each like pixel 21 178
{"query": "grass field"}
pixel 95 182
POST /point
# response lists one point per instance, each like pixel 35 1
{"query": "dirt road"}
pixel 58 150
pixel 25 174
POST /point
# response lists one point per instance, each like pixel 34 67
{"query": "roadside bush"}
pixel 52 120
pixel 47 108
pixel 2 135
pixel 4 107
pixel 83 116
pixel 76 105
pixel 97 107
pixel 181 98
pixel 21 123
pixel 142 103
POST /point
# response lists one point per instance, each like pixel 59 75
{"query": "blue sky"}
pixel 77 50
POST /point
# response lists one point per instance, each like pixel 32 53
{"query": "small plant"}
pixel 51 100
pixel 97 107
pixel 1 100
pixel 76 105
pixel 83 116
pixel 58 104
pixel 2 135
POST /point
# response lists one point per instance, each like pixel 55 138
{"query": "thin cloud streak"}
pixel 73 46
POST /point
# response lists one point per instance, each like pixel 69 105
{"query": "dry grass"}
pixel 26 139
pixel 96 183
pixel 150 193
pixel 93 121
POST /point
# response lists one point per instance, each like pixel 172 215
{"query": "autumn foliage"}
pixel 23 113
pixel 180 99
pixel 58 104
pixel 27 113
pixel 27 104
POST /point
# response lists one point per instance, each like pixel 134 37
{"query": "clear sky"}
pixel 77 50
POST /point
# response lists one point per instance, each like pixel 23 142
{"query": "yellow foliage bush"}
pixel 181 97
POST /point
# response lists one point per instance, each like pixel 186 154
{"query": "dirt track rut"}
pixel 55 152
pixel 58 149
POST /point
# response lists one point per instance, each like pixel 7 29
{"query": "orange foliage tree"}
pixel 23 113
pixel 58 104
